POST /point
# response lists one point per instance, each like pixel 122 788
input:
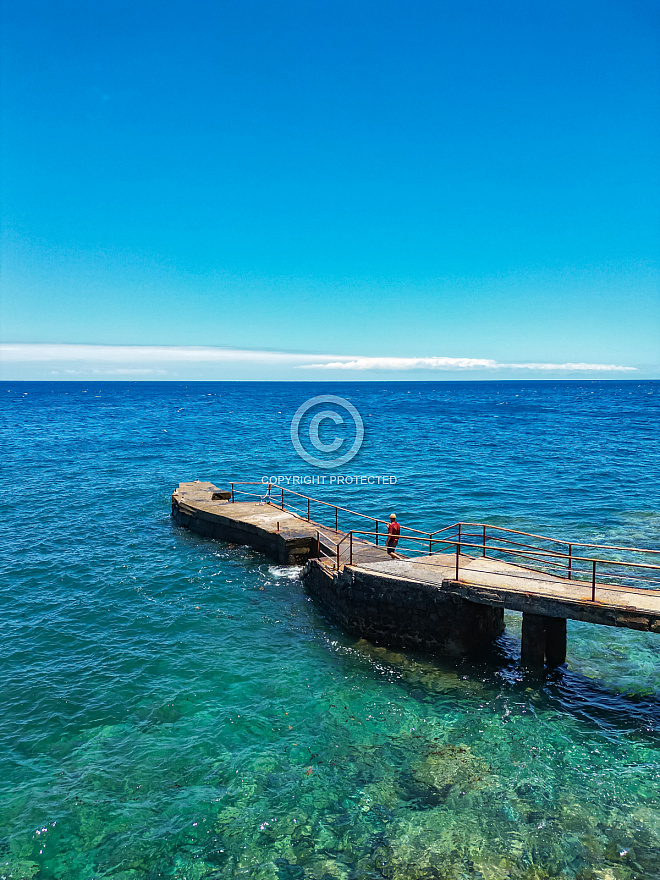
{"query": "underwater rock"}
pixel 383 793
pixel 187 869
pixel 17 869
pixel 428 845
pixel 449 765
pixel 328 869
pixel 430 675
pixel 289 870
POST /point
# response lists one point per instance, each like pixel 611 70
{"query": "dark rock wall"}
pixel 399 614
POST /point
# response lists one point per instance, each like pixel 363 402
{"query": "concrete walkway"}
pixel 291 538
pixel 494 582
pixel 285 535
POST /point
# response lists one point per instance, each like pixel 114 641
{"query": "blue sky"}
pixel 331 189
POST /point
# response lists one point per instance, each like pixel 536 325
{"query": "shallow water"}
pixel 177 707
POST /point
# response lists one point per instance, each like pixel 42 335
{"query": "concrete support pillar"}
pixel 555 641
pixel 543 640
pixel 533 640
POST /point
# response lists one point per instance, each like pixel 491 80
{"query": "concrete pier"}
pixel 448 603
pixel 368 598
pixel 284 536
pixel 205 509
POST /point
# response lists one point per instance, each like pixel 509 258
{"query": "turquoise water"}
pixel 177 707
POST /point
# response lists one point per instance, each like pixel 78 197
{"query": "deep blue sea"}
pixel 176 707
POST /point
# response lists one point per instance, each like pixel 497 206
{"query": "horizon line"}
pixel 338 381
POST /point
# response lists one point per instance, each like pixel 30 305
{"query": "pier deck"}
pixel 208 510
pixel 480 579
pixel 494 582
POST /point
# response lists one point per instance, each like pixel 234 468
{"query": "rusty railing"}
pixel 608 568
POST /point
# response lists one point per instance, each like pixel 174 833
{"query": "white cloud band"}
pixel 96 359
pixel 145 353
pixel 447 363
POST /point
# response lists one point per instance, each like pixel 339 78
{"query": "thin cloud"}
pixel 447 363
pixel 119 371
pixel 599 368
pixel 16 352
pixel 127 359
pixel 399 363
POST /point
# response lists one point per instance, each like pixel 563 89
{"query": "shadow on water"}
pixel 497 671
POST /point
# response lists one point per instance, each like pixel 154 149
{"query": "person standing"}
pixel 393 532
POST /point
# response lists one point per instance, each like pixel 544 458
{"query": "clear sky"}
pixel 467 187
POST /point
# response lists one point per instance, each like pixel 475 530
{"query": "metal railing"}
pixel 275 495
pixel 610 565
pixel 623 569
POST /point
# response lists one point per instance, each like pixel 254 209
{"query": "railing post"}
pixel 268 502
pixel 336 520
pixel 376 533
pixel 350 544
pixel 484 550
pixel 593 581
pixel 430 546
pixel 308 510
pixel 337 557
pixel 570 560
pixel 232 493
pixel 282 497
pixel 318 545
pixel 458 549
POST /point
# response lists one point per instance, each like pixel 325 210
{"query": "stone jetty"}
pixel 450 604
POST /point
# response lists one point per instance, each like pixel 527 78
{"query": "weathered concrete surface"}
pixel 493 582
pixel 284 536
pixel 501 584
pixel 396 611
pixel 281 535
pixel 417 602
pixel 543 641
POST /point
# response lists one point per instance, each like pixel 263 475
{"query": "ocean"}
pixel 177 707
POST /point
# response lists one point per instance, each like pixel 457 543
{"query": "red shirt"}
pixel 393 532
